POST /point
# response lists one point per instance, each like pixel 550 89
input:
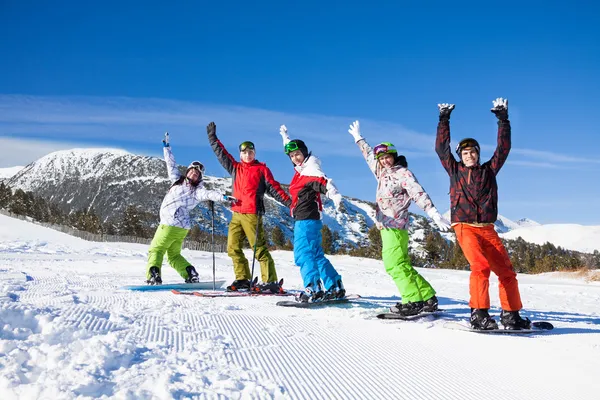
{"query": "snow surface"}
pixel 67 332
pixel 584 238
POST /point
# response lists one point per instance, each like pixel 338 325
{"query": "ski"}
pixel 536 327
pixel 322 303
pixel 396 316
pixel 206 285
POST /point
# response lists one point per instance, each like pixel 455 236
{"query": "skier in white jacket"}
pixel 186 192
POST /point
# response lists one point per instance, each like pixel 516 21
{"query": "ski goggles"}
pixel 467 143
pixel 196 165
pixel 246 146
pixel 291 146
pixel 384 148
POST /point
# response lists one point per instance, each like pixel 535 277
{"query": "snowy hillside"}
pixel 568 236
pixel 109 180
pixel 67 332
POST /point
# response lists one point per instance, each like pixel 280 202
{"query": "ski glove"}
pixel 500 108
pixel 229 199
pixel 284 134
pixel 211 129
pixel 439 220
pixel 166 140
pixel 445 110
pixel 355 131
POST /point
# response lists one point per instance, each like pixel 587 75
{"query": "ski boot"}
pixel 481 320
pixel 335 292
pixel 310 295
pixel 155 278
pixel 239 284
pixel 430 305
pixel 192 275
pixel 511 320
pixel 269 287
pixel 408 309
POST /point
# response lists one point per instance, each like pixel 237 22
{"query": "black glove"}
pixel 500 108
pixel 445 110
pixel 211 129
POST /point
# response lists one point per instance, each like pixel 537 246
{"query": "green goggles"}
pixel 246 146
pixel 291 146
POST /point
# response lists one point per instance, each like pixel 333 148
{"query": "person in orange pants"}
pixel 474 209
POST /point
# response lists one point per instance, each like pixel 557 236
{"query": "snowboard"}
pixel 207 285
pixel 391 315
pixel 536 327
pixel 297 304
pixel 230 294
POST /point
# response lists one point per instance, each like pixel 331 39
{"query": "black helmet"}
pixel 294 145
pixel 468 142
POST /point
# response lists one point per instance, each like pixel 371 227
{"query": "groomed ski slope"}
pixel 67 332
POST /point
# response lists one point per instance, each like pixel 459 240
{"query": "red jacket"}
pixel 473 191
pixel 306 188
pixel 250 181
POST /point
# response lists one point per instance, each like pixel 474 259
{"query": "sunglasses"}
pixel 197 165
pixel 246 146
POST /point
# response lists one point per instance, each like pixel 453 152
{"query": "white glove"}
pixel 166 140
pixel 337 201
pixel 229 199
pixel 439 220
pixel 355 131
pixel 284 134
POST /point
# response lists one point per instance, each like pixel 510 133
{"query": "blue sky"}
pixel 119 74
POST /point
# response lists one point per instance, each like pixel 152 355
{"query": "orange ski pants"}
pixel 485 252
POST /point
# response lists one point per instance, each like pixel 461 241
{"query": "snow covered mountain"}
pixel 568 236
pixel 7 173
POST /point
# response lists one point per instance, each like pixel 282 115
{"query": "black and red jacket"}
pixel 307 185
pixel 473 190
pixel 250 181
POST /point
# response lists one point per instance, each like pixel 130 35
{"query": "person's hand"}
pixel 500 108
pixel 166 140
pixel 439 220
pixel 355 131
pixel 229 199
pixel 445 110
pixel 284 134
pixel 211 129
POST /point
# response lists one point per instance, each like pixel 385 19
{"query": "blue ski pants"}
pixel 309 256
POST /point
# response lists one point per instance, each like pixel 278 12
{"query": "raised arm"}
pixel 172 170
pixel 364 147
pixel 442 139
pixel 275 190
pixel 226 159
pixel 500 109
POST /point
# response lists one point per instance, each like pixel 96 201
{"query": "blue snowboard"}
pixel 207 285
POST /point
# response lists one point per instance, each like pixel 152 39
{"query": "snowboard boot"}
pixel 481 320
pixel 192 275
pixel 430 305
pixel 239 284
pixel 155 278
pixel 511 320
pixel 408 309
pixel 269 287
pixel 310 295
pixel 337 291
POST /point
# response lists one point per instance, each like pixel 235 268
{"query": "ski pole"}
pixel 254 249
pixel 212 234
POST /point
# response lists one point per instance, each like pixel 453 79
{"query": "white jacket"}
pixel 181 199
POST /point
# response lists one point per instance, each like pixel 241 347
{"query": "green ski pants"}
pixel 412 286
pixel 168 239
pixel 244 226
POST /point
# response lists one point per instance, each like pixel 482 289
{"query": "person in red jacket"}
pixel 474 209
pixel 251 179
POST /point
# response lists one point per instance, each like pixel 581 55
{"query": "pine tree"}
pixel 327 240
pixel 277 237
pixel 5 195
pixel 132 223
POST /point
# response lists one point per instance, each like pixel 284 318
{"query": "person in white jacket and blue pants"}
pixel 185 193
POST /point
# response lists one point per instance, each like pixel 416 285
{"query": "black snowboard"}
pixel 391 315
pixel 536 327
